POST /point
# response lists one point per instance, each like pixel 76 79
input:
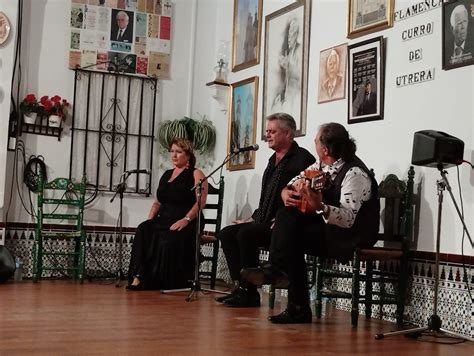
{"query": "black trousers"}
pixel 241 245
pixel 294 235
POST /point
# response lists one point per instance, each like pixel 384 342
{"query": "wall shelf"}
pixel 40 129
pixel 220 93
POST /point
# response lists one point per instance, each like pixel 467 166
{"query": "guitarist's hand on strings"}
pixel 313 197
pixel 291 197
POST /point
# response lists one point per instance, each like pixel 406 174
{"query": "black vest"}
pixel 341 242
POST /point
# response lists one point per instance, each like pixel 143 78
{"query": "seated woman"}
pixel 163 248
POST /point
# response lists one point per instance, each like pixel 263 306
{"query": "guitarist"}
pixel 343 216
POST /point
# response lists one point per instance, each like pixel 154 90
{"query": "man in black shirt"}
pixel 241 242
pixel 338 219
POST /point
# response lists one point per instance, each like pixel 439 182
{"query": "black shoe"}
pixel 223 298
pixel 293 315
pixel 135 288
pixel 243 298
pixel 267 274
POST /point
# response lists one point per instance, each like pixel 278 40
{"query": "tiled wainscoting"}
pixel 455 307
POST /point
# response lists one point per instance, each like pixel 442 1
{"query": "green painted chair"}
pixel 61 247
pixel 396 198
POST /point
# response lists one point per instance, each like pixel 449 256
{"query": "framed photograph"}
pixel 246 33
pixel 366 81
pixel 285 74
pixel 458 34
pixel 367 16
pixel 243 122
pixel 332 73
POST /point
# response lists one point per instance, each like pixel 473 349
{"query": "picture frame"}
pixel 247 29
pixel 458 40
pixel 285 74
pixel 242 130
pixel 367 16
pixel 366 71
pixel 332 73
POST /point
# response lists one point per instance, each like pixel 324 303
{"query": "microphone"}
pixel 138 171
pixel 245 149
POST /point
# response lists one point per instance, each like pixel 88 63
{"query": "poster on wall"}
pixel 366 81
pixel 458 34
pixel 126 36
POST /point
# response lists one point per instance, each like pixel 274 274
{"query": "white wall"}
pixel 445 104
pixel 9 8
pixel 384 145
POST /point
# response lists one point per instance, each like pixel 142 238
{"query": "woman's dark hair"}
pixel 187 147
pixel 336 139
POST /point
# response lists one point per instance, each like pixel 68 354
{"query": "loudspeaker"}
pixel 7 264
pixel 436 149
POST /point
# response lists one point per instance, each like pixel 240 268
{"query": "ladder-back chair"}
pixel 59 200
pixel 209 243
pixel 396 198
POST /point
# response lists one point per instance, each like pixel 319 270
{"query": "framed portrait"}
pixel 458 34
pixel 243 122
pixel 366 81
pixel 332 73
pixel 246 33
pixel 367 16
pixel 285 74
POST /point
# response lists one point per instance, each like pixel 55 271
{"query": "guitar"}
pixel 318 181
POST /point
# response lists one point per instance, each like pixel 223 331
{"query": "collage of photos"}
pixel 126 36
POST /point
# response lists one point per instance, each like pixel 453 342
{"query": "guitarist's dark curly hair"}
pixel 336 139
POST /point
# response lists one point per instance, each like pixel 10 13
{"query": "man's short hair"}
pixel 122 13
pixel 458 10
pixel 286 121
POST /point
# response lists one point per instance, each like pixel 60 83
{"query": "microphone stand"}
pixel 434 321
pixel 119 190
pixel 196 284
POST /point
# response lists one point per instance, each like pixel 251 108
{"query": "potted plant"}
pixel 201 133
pixel 30 107
pixel 56 109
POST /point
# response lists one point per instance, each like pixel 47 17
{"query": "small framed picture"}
pixel 458 34
pixel 243 122
pixel 246 34
pixel 366 81
pixel 285 73
pixel 332 73
pixel 367 16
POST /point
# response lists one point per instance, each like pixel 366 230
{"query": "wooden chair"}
pixel 212 218
pixel 396 199
pixel 60 199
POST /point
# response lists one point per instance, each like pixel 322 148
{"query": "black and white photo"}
pixel 458 34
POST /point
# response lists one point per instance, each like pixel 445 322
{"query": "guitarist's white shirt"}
pixel 355 190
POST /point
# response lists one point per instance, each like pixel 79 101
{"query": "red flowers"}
pixel 54 105
pixel 30 104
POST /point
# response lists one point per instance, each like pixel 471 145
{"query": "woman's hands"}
pixel 180 224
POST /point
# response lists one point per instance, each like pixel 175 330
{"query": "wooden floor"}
pixel 61 317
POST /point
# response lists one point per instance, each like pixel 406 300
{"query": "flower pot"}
pixel 30 118
pixel 54 120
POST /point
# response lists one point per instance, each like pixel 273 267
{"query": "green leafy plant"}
pixel 201 133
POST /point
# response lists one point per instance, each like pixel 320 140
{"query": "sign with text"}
pixel 120 35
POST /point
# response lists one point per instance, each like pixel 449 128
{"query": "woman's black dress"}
pixel 164 259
